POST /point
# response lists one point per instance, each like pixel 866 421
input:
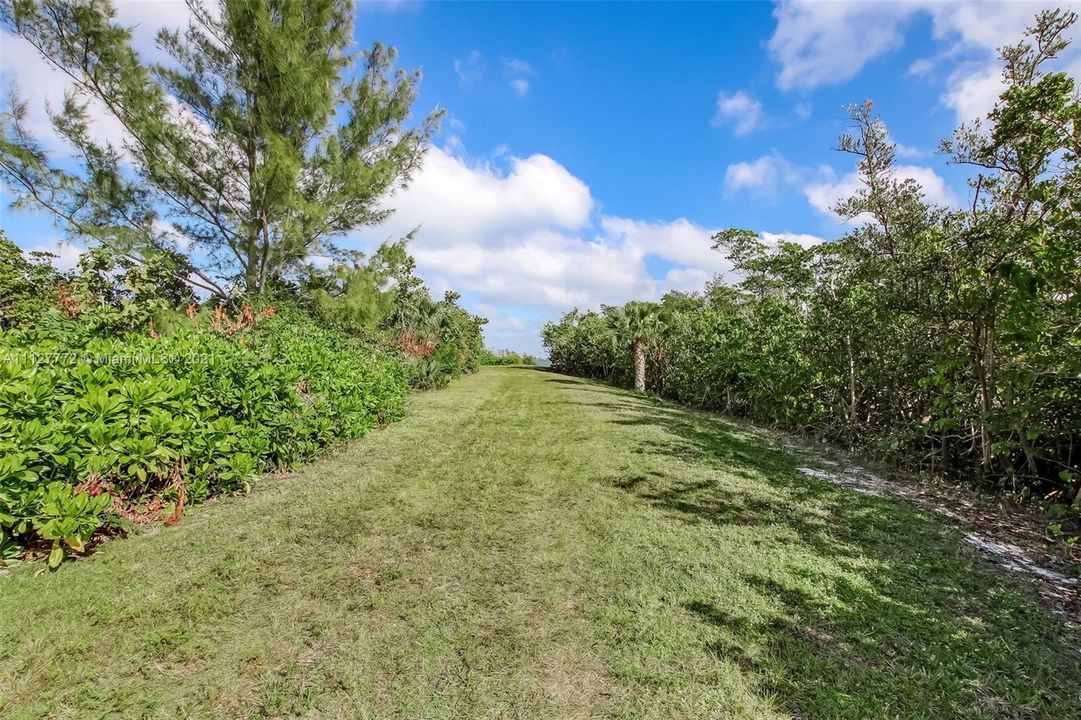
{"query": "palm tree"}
pixel 636 324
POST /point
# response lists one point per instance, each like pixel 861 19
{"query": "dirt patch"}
pixel 573 680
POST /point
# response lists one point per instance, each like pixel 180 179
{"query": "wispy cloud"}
pixel 520 86
pixel 517 66
pixel 921 67
pixel 519 72
pixel 767 176
pixel 828 43
pixel 470 69
pixel 739 110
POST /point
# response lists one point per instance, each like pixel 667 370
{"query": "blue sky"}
pixel 592 148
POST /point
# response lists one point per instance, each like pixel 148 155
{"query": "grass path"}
pixel 526 545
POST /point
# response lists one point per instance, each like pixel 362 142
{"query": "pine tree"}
pixel 263 138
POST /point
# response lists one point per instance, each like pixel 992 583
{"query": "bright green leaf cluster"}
pixel 192 413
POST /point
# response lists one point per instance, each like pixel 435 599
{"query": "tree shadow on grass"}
pixel 565 381
pixel 864 606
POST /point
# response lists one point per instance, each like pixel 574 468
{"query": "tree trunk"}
pixel 639 350
pixel 851 381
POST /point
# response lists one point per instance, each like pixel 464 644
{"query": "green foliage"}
pixel 444 339
pixel 582 344
pixel 121 292
pixel 943 339
pixel 637 325
pixel 120 398
pixel 359 296
pixel 153 280
pixel 424 373
pixel 180 417
pixel 505 357
pixel 27 287
pixel 65 516
pixel 382 300
pixel 263 139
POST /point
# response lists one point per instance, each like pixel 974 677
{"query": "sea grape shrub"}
pixel 583 344
pixel 94 429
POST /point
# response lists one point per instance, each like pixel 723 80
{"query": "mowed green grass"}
pixel 527 545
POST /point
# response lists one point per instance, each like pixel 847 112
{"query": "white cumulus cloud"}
pixel 804 239
pixel 43 87
pixel 762 178
pixel 455 201
pixel 65 255
pixel 827 43
pixel 523 243
pixel 972 93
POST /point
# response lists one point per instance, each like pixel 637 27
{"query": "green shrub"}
pixel 449 360
pixel 92 426
pixel 425 373
pixel 381 299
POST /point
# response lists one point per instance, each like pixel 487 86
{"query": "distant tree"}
pixel 261 141
pixel 27 285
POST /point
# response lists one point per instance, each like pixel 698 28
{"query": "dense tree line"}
pixel 944 338
pixel 506 357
